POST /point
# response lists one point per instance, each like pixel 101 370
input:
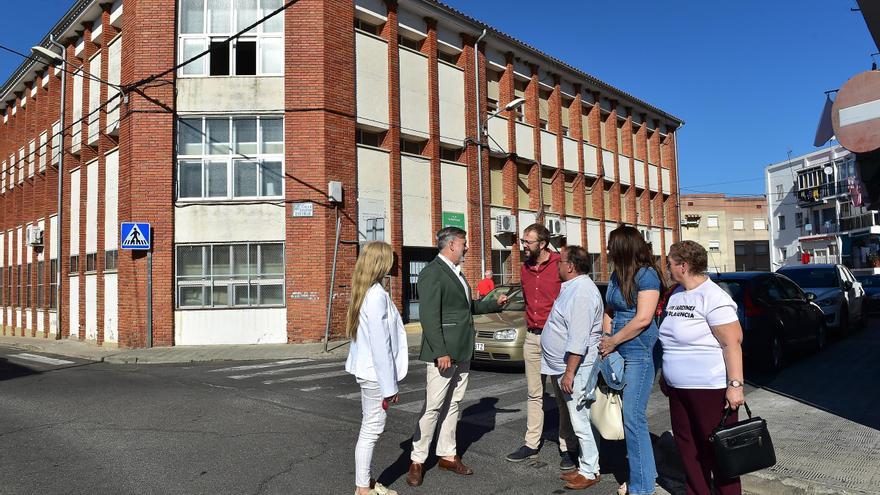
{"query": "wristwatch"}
pixel 735 383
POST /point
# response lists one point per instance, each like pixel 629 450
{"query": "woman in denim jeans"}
pixel 629 328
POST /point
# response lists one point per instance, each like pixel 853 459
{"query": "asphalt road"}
pixel 71 426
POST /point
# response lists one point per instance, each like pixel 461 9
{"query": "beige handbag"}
pixel 606 412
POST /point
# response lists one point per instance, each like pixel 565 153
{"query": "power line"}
pixel 59 66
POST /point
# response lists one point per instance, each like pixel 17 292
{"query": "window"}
pixel 53 283
pixel 56 143
pixel 18 286
pixel 783 253
pixel 450 154
pixel 798 219
pixel 366 27
pixel 230 275
pixel 781 222
pixel 27 286
pixel 74 265
pixel 739 248
pixel 712 221
pixel 788 289
pixel 208 24
pixel 759 224
pixel 449 58
pixel 43 151
pixel 230 158
pixel 714 245
pixel 762 248
pixel 412 147
pixel 738 224
pixel 40 283
pixel 368 138
pixel 409 43
pixel 111 260
pixel 32 153
pixel 374 229
pixel 91 262
pixel 779 193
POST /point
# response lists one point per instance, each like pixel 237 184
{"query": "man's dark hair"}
pixel 447 234
pixel 579 259
pixel 541 232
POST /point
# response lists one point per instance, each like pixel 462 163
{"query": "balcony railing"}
pixel 825 228
pixel 862 221
pixel 815 194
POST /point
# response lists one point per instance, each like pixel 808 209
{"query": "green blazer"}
pixel 446 313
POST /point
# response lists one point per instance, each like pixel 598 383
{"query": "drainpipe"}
pixel 480 152
pixel 60 189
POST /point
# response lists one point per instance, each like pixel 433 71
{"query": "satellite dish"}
pixel 829 170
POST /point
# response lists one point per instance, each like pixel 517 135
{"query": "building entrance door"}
pixel 414 259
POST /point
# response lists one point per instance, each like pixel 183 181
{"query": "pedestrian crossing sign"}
pixel 135 235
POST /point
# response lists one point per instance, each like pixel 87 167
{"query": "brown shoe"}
pixel 569 475
pixel 416 475
pixel 580 482
pixel 455 466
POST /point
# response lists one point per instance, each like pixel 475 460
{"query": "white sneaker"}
pixel 380 489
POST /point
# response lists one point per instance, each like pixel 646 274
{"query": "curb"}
pixel 764 483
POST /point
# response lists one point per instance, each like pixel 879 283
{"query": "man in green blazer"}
pixel 446 311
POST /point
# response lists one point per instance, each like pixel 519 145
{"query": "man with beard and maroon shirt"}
pixel 540 286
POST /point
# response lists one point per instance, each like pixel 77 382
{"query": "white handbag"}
pixel 606 412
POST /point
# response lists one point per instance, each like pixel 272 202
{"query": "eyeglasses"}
pixel 527 242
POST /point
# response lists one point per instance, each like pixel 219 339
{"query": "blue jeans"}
pixel 588 462
pixel 639 379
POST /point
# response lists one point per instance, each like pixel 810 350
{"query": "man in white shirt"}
pixel 569 346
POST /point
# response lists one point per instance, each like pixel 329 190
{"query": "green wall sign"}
pixel 453 219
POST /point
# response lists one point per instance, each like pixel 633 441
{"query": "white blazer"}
pixel 379 354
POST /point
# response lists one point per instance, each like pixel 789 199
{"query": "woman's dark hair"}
pixel 629 252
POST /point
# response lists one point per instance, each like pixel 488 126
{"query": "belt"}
pixel 536 331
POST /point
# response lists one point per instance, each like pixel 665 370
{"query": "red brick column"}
pixel 146 192
pixel 673 187
pixel 319 130
pixel 392 143
pixel 641 152
pixel 626 148
pixel 510 171
pixel 594 118
pixel 611 138
pixel 429 49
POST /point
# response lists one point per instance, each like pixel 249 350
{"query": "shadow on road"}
pixel 840 380
pixel 10 371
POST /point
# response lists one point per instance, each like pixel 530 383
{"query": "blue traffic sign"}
pixel 135 235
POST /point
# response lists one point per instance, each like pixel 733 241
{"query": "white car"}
pixel 834 289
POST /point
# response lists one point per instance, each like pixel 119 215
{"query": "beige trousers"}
pixel 443 394
pixel 535 405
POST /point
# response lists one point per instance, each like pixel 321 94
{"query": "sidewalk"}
pixel 819 450
pixel 184 353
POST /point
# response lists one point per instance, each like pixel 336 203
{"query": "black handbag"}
pixel 743 447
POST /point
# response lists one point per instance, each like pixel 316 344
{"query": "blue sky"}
pixel 747 77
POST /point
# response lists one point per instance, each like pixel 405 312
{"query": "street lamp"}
pixel 481 132
pixel 55 58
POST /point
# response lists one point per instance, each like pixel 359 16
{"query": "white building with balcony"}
pixel 812 210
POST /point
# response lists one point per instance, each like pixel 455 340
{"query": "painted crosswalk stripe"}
pixel 471 394
pixel 308 378
pixel 259 366
pixel 281 371
pixel 41 359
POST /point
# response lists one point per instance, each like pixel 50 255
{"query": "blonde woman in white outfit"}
pixel 377 356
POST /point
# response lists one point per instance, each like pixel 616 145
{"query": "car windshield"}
pixel 820 278
pixel 517 303
pixel 869 281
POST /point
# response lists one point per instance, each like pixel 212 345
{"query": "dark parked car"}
pixel 835 290
pixel 777 317
pixel 871 284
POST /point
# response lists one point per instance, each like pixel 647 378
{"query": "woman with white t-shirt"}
pixel 702 365
pixel 377 356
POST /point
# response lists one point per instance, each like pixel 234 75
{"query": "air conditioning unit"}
pixel 505 224
pixel 646 234
pixel 555 226
pixel 35 236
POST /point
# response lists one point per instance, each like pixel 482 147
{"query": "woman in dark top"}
pixel 629 328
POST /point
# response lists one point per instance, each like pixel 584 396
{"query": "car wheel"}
pixel 821 338
pixel 777 354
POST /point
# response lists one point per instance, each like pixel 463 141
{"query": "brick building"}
pixel 229 158
pixel 734 230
